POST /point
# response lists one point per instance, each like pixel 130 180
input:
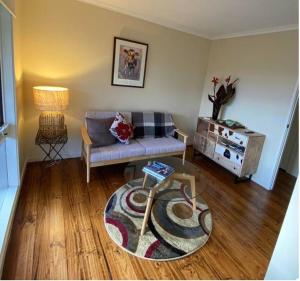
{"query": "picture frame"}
pixel 129 63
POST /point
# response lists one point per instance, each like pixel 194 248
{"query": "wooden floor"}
pixel 58 231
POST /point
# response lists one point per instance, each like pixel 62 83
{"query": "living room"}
pixel 186 55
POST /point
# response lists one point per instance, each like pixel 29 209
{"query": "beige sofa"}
pixel 143 148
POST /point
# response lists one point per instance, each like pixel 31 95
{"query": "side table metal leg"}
pixel 57 152
pixel 48 153
pixel 56 139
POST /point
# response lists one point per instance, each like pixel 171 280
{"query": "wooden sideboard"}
pixel 237 150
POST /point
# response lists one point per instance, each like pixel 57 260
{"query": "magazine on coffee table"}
pixel 159 170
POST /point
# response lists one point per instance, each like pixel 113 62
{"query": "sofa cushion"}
pixel 161 145
pixel 152 124
pixel 98 130
pixel 117 151
pixel 107 114
pixel 121 129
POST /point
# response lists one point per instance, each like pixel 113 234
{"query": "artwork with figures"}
pixel 129 63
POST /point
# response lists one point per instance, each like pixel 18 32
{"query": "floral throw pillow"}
pixel 121 129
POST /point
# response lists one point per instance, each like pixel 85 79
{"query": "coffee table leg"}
pixel 191 179
pixel 145 179
pixel 193 187
pixel 148 208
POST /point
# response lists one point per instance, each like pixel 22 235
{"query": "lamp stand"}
pixel 51 124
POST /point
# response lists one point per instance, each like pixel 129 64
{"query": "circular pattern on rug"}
pixel 173 231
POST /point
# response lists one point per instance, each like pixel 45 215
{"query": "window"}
pixel 9 159
pixel 1 103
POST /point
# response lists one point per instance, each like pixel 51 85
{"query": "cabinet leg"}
pixel 242 179
pixel 196 153
pixel 236 179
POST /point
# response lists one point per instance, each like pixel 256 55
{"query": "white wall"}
pixel 284 264
pixel 71 45
pixel 267 66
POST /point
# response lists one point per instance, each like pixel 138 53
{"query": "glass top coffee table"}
pixel 185 185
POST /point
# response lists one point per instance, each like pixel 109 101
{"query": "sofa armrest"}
pixel 181 133
pixel 85 136
pixel 86 150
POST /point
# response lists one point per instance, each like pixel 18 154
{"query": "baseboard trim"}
pixel 23 172
pixel 65 156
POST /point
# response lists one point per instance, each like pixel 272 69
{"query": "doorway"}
pixel 289 162
pixel 287 167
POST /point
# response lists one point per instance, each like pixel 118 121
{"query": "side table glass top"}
pixel 178 187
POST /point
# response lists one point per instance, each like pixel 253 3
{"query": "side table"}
pixel 55 139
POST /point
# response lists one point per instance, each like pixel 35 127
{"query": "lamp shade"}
pixel 48 98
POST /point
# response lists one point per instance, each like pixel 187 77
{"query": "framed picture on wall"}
pixel 129 63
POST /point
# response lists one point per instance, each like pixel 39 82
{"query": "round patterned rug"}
pixel 174 230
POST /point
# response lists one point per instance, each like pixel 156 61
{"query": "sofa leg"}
pixel 88 173
pixel 87 158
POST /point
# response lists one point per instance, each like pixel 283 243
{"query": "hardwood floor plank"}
pixel 119 263
pixel 41 270
pixel 195 267
pixel 59 233
pixel 27 226
pixel 81 246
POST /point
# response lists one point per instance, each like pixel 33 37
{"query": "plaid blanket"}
pixel 152 124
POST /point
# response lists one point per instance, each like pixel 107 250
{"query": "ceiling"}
pixel 212 19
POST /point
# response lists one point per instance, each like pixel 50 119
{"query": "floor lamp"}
pixel 51 101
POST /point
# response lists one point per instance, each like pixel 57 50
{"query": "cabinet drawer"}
pixel 229 154
pixel 231 135
pixel 226 163
pixel 209 148
pixel 199 142
pixel 237 138
pixel 204 145
pixel 202 127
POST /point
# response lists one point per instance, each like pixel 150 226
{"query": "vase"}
pixel 216 111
